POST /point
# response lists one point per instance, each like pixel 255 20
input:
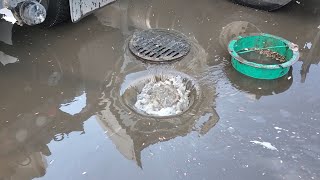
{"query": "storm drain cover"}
pixel 159 45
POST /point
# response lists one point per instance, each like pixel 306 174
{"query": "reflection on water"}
pixel 312 57
pixel 70 73
pixel 40 98
pixel 75 106
pixel 132 132
pixel 24 168
pixel 235 29
pixel 64 87
pixel 6 59
pixel 257 87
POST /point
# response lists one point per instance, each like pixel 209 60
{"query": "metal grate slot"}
pixel 159 45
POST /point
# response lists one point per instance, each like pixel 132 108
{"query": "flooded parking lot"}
pixel 67 108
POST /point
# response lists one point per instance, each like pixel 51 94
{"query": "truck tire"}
pixel 267 5
pixel 58 11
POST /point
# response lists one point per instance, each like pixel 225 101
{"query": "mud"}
pixel 62 115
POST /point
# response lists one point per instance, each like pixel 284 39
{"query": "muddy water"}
pixel 62 115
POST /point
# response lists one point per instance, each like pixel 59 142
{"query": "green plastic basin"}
pixel 263 41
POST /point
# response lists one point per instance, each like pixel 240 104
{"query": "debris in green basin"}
pixel 283 52
pixel 246 50
pixel 273 55
pixel 263 56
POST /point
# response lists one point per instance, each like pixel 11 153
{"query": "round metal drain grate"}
pixel 159 45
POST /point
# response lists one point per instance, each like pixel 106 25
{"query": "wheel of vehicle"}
pixel 58 11
pixel 268 5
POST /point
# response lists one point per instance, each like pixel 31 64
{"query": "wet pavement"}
pixel 63 114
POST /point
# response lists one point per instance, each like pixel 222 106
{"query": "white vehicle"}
pixel 48 13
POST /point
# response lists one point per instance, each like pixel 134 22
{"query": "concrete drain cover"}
pixel 159 45
pixel 161 95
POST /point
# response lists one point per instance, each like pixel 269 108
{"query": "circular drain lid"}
pixel 159 45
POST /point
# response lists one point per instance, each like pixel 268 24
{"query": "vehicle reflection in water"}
pixel 39 103
pixel 63 87
pixel 71 73
pixel 25 168
pixel 6 32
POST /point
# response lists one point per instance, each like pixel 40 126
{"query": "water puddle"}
pixel 85 98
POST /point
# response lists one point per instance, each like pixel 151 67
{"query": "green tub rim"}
pixel 289 63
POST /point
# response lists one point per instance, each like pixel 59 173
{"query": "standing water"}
pixel 235 127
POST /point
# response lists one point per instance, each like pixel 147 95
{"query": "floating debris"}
pixel 267 52
pixel 278 128
pixel 272 54
pixel 164 98
pixel 308 45
pixel 265 145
